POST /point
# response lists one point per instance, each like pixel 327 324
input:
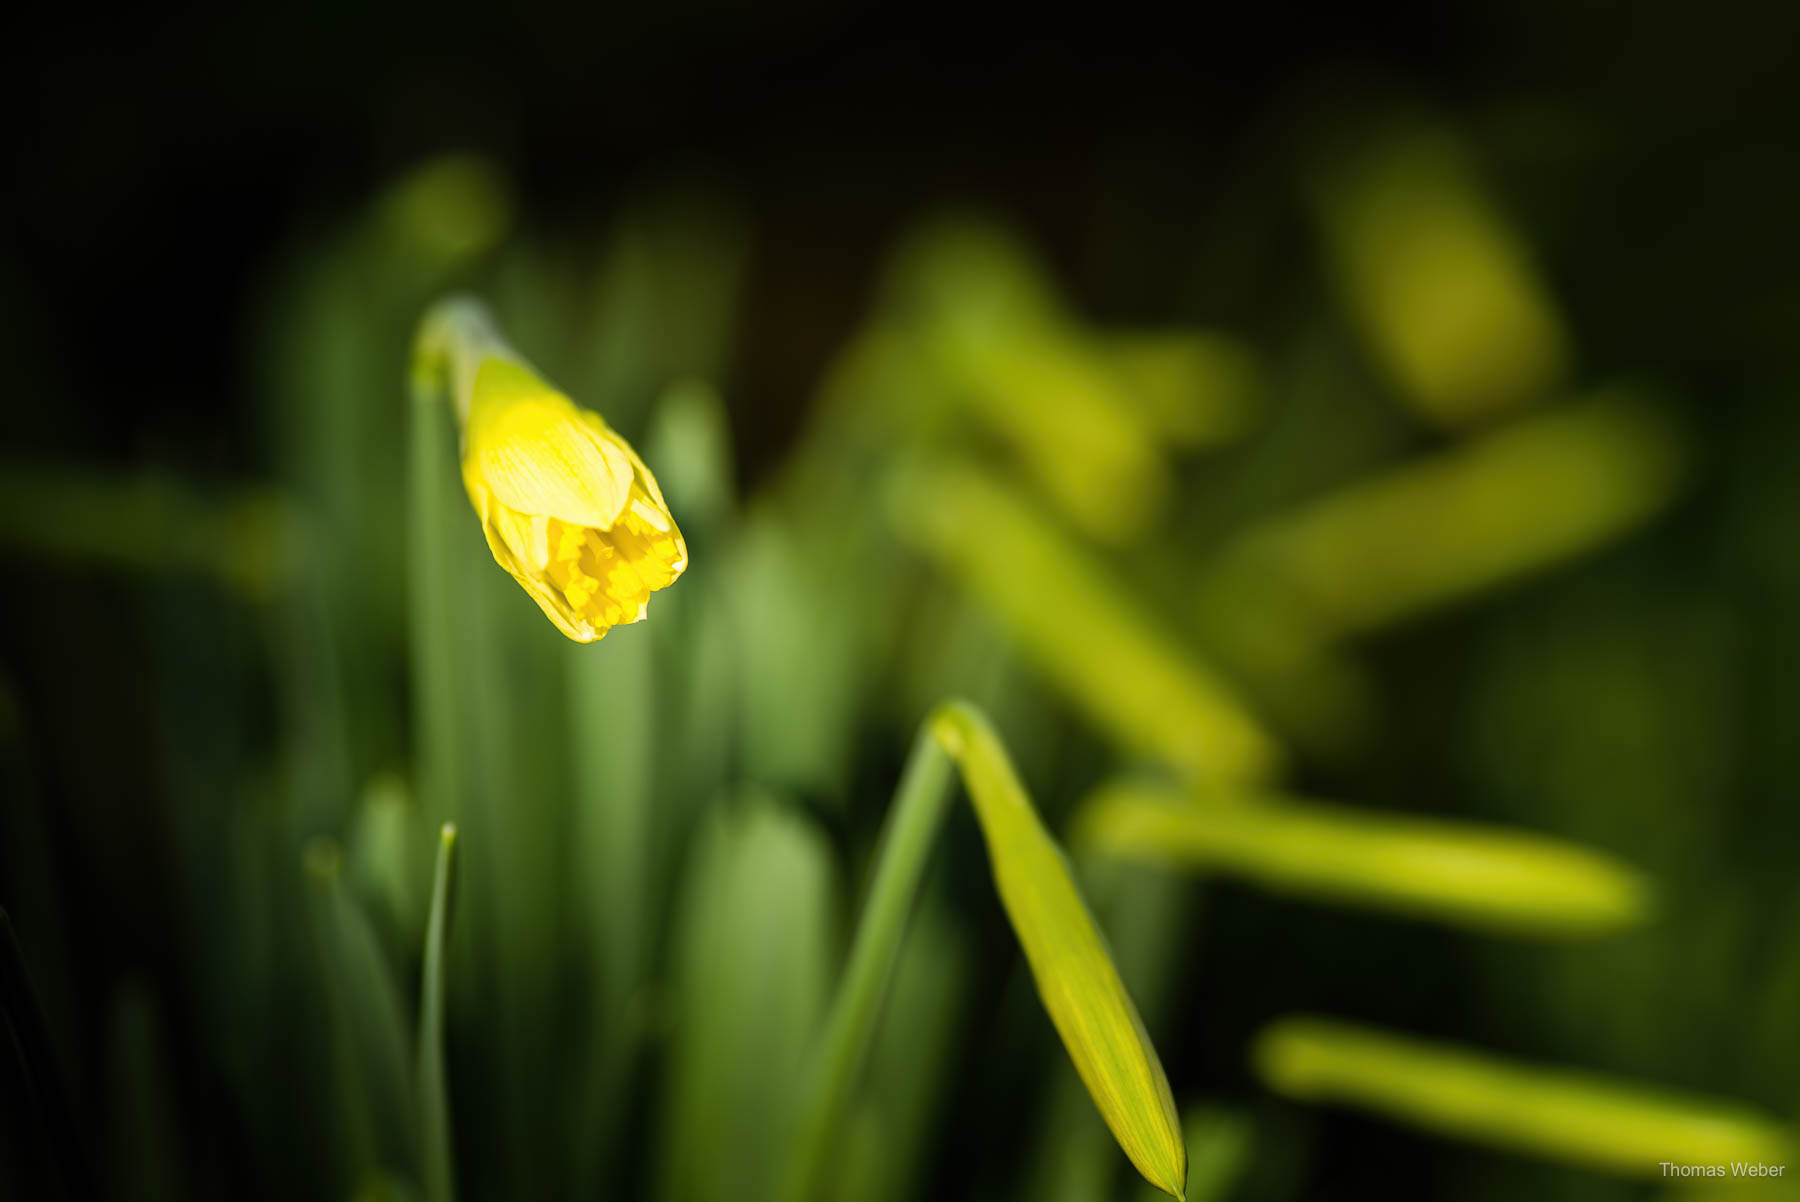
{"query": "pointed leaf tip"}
pixel 1069 961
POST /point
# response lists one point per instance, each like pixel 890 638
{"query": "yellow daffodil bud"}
pixel 567 506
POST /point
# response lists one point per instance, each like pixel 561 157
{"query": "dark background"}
pixel 160 161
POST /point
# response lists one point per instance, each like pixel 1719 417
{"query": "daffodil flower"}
pixel 567 506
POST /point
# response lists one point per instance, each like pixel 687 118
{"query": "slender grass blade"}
pixel 436 1153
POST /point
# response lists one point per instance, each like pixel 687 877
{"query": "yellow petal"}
pixel 539 454
pixel 566 506
pixel 495 523
pixel 1074 972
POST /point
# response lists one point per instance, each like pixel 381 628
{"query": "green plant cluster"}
pixel 462 908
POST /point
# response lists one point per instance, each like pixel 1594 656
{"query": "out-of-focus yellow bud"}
pixel 567 506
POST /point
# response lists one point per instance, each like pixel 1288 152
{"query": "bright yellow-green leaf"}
pixel 1075 975
pixel 1081 628
pixel 1221 1145
pixel 1458 872
pixel 1604 1123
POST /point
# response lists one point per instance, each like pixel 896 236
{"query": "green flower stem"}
pixel 919 807
pixel 447 329
pixel 437 1157
pixel 456 336
pixel 612 723
pixel 20 1008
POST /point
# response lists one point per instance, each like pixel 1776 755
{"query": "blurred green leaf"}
pixel 147 1161
pixel 911 1073
pixel 1082 629
pixel 819 1136
pixel 752 965
pixel 1484 877
pixel 690 443
pixel 613 689
pixel 384 1187
pixel 150 522
pixel 1436 531
pixel 331 353
pixel 370 1029
pixel 446 211
pixel 695 631
pixel 1578 1118
pixel 799 667
pixel 382 856
pixel 985 314
pixel 1440 281
pixel 1198 388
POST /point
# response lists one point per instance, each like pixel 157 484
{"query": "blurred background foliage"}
pixel 1350 456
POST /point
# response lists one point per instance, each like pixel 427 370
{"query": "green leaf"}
pixel 369 1025
pixel 1220 1144
pixel 751 974
pixel 1081 628
pixel 907 838
pixel 1441 283
pixel 988 318
pixel 1559 1114
pixel 1467 874
pixel 912 1062
pixel 1199 388
pixel 613 706
pixel 1069 960
pixel 1452 525
pixel 436 1156
pixel 1147 917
